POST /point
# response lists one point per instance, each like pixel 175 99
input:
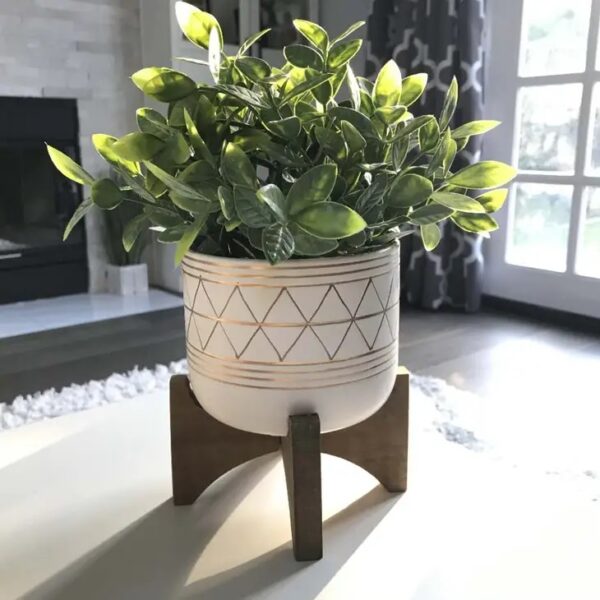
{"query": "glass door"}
pixel 543 83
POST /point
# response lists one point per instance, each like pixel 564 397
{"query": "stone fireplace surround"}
pixel 80 49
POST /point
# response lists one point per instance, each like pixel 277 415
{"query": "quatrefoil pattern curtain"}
pixel 442 38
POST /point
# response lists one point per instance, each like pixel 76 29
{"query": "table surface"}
pixel 86 512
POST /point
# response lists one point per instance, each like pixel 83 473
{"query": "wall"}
pixel 82 49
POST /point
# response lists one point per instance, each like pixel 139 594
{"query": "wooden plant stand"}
pixel 203 449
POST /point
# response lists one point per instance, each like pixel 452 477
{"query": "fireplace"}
pixel 36 201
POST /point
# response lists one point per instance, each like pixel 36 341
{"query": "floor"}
pixel 22 318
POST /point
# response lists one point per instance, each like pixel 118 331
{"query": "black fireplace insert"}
pixel 36 201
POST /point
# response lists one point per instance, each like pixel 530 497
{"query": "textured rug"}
pixel 436 408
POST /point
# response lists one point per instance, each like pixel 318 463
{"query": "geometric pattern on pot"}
pixel 295 324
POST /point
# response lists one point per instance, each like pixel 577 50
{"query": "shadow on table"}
pixel 153 557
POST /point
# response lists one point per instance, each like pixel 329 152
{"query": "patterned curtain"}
pixel 441 38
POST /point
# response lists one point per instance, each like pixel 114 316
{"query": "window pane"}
pixel 540 226
pixel 588 254
pixel 593 156
pixel 548 117
pixel 554 36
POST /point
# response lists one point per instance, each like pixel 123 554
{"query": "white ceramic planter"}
pixel 128 280
pixel 316 335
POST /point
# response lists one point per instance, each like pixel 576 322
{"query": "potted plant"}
pixel 126 273
pixel 286 204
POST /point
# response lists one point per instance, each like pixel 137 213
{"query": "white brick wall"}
pixel 83 49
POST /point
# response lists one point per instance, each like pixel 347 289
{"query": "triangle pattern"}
pixel 218 344
pixel 260 349
pixel 186 319
pixel 370 303
pixel 384 337
pixel 308 348
pixel 331 309
pixel 218 295
pixel 239 336
pixel 205 328
pixel 202 304
pixel 395 294
pixel 332 336
pixel 284 311
pixel 259 299
pixel 383 286
pixel 283 338
pixel 354 344
pixel 352 293
pixel 308 298
pixel 237 309
pixel 193 335
pixel 190 287
pixel 369 327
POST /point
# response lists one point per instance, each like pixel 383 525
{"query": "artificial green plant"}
pixel 268 163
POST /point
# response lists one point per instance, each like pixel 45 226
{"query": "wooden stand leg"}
pixel 302 462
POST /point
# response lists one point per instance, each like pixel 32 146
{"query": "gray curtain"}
pixel 441 38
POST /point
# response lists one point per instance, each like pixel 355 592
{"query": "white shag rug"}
pixel 435 405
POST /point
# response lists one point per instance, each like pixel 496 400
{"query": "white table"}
pixel 85 513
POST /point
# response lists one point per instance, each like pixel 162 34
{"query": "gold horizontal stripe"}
pixel 232 359
pixel 276 275
pixel 283 368
pixel 304 387
pixel 262 285
pixel 291 378
pixel 290 324
pixel 343 262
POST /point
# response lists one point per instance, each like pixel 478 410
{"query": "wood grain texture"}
pixel 301 450
pixel 202 448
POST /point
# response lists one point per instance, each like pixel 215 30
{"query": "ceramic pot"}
pixel 314 335
pixel 127 280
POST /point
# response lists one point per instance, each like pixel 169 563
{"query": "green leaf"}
pixel 475 223
pixel 449 105
pixel 359 120
pixel 288 128
pixel 409 190
pixel 163 84
pixel 493 200
pixel 136 184
pixel 237 168
pixel 413 125
pixel 215 48
pixel 332 143
pixel 106 194
pixel 176 150
pixel 175 185
pixel 309 245
pixel 133 229
pixel 304 87
pixel 343 52
pixel 314 33
pixel 432 213
pixel 273 197
pixel 431 236
pixel 330 220
pixel 196 24
pixel 348 32
pixel 152 122
pixel 172 234
pixel 250 209
pixel 251 40
pixel 198 143
pixel 137 146
pixel 390 115
pixel 68 167
pixel 277 243
pixel 413 87
pixel 227 203
pixel 458 202
pixel 255 69
pixel 313 186
pixel 103 144
pixel 474 128
pixel 482 175
pixel 353 87
pixel 429 136
pixel 245 96
pixel 355 141
pixel 162 217
pixel 323 92
pixel 79 213
pixel 189 237
pixel 303 56
pixel 388 85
